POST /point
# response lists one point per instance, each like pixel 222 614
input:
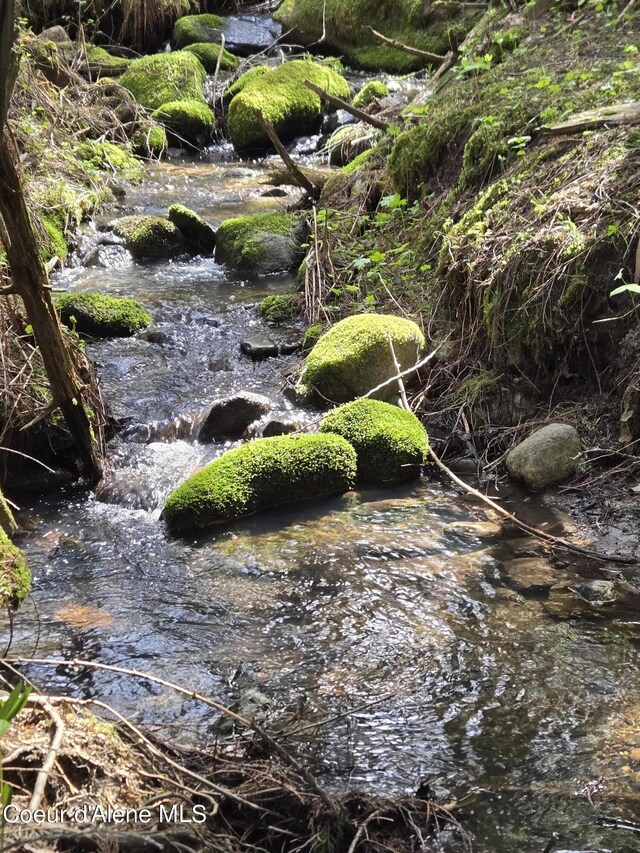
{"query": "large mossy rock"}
pixel 391 443
pixel 264 473
pixel 280 96
pixel 341 24
pixel 245 35
pixel 164 78
pixel 547 457
pixel 102 316
pixel 354 356
pixel 15 577
pixel 187 121
pixel 149 237
pixel 193 227
pixel 263 244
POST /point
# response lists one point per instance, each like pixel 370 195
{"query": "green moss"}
pixel 261 474
pixel 150 140
pixel 354 356
pixel 240 241
pixel 194 29
pixel 104 64
pixel 343 24
pixel 110 157
pixel 370 92
pixel 208 54
pixel 164 78
pixel 278 308
pixel 149 236
pixel 15 577
pixel 190 121
pixel 312 336
pixel 193 227
pixel 358 162
pixel 245 79
pixel 281 98
pixel 56 240
pixel 102 316
pixel 391 443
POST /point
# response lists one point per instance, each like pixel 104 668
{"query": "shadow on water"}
pixel 395 603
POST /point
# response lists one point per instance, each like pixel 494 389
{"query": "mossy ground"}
pixel 15 577
pixel 164 78
pixel 391 443
pixel 281 98
pixel 343 23
pixel 101 315
pixel 239 240
pixel 263 473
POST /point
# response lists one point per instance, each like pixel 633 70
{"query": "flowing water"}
pixel 392 603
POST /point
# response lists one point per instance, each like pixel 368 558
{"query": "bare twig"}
pixel 289 162
pixel 434 58
pixel 52 755
pixel 344 105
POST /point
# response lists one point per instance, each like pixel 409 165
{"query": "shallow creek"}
pixel 325 608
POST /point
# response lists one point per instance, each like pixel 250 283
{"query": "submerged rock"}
pixel 262 244
pixel 193 227
pixel 230 416
pixel 547 457
pixel 530 574
pixel 101 315
pixel 149 236
pixel 354 356
pixel 165 78
pixel 245 35
pixel 264 473
pixel 280 96
pixel 391 443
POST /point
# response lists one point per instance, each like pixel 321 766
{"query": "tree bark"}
pixel 30 283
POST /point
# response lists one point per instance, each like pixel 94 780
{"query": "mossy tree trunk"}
pixel 29 278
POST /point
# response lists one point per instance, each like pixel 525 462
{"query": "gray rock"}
pixel 230 417
pixel 279 253
pixel 57 34
pixel 260 346
pixel 548 456
pixel 530 574
pixel 246 35
pixel 280 427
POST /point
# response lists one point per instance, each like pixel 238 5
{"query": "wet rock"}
pixel 149 237
pixel 547 457
pixel 280 427
pixel 245 35
pixel 193 227
pixel 530 574
pixel 262 244
pixel 260 346
pixel 100 315
pixel 230 417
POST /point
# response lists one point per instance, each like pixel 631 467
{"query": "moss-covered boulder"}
pixel 354 356
pixel 149 236
pixel 245 35
pixel 342 24
pixel 193 227
pixel 102 316
pixel 349 142
pixel 149 140
pixel 188 121
pixel 263 244
pixel 391 443
pixel 278 308
pixel 261 474
pixel 281 98
pixel 15 577
pixel 244 80
pixel 164 78
pixel 208 54
pixel 194 29
pixel 101 63
pixel 370 92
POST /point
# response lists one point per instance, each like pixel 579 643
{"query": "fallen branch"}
pixel 617 114
pixel 554 541
pixel 434 58
pixel 279 174
pixel 52 755
pixel 344 105
pixel 292 167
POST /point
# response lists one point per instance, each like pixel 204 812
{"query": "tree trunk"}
pixel 30 283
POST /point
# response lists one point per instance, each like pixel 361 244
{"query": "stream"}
pixel 393 603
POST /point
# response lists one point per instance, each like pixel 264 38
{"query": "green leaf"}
pixel 626 288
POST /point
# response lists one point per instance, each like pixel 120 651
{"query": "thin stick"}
pixel 52 755
pixel 218 64
pixel 554 541
pixel 402 390
pixel 289 162
pixel 344 105
pixel 435 58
